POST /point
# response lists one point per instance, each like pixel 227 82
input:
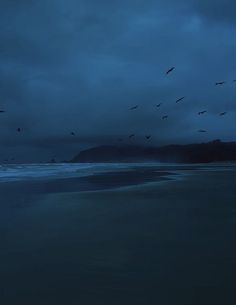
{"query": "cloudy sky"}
pixel 79 65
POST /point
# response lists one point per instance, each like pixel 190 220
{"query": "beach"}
pixel 147 235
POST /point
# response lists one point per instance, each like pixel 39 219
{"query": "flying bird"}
pixel 202 112
pixel 158 105
pixel 148 137
pixel 170 70
pixel 134 107
pixel 180 99
pixel 19 129
pixel 201 130
pixel 165 117
pixel 223 113
pixel 131 136
pixel 220 83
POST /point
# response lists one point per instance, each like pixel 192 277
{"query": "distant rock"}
pixel 215 151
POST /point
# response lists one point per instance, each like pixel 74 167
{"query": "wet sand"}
pixel 169 242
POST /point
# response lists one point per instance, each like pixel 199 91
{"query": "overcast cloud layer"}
pixel 73 65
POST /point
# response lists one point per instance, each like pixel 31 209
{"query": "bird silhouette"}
pixel 134 107
pixel 220 83
pixel 148 137
pixel 180 99
pixel 72 133
pixel 19 129
pixel 201 130
pixel 131 136
pixel 2 111
pixel 165 117
pixel 158 105
pixel 223 113
pixel 202 112
pixel 170 70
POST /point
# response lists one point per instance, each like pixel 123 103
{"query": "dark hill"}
pixel 214 151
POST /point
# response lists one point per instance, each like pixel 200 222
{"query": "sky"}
pixel 80 65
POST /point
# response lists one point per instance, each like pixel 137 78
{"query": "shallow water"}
pixel 167 242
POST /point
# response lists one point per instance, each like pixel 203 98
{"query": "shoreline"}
pixel 22 194
pixel 100 181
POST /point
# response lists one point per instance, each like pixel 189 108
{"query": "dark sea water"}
pixel 127 234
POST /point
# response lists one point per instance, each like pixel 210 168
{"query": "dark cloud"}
pixel 219 10
pixel 80 65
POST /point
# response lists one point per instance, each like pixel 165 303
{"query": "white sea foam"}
pixel 16 172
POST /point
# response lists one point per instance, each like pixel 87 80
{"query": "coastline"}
pixel 20 194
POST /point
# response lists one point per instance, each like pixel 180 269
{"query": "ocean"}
pixel 117 234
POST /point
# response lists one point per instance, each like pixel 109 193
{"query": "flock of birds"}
pixel 165 117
